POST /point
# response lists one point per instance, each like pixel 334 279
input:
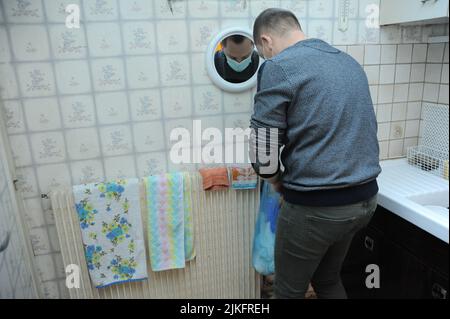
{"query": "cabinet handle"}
pixel 369 243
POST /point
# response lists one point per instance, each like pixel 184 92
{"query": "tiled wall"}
pixel 98 102
pixel 15 275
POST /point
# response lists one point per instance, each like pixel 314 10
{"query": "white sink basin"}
pixel 434 201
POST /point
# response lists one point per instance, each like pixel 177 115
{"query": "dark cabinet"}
pixel 412 263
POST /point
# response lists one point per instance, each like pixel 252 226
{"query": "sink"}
pixel 437 202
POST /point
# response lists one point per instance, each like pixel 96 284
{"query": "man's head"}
pixel 237 47
pixel 275 30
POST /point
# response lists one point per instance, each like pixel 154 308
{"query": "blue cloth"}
pixel 264 237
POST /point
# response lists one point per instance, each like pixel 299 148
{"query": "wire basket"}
pixel 429 159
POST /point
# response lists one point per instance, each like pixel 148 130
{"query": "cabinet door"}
pixel 364 250
pixel 407 11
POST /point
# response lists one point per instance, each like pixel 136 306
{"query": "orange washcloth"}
pixel 215 178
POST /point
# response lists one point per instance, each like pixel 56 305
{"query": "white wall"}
pixel 98 102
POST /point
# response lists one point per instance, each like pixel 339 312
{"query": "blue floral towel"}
pixel 112 231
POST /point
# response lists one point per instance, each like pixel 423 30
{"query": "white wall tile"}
pixel 104 10
pixel 446 53
pixel 386 94
pixel 387 74
pixel 431 92
pixel 172 36
pixel 256 7
pixel 18 11
pixel 78 111
pixel 415 92
pixel 397 130
pixel 384 112
pixel 149 136
pixel 67 43
pixel 86 171
pixel 414 110
pixel 419 53
pixel 142 72
pixel 201 34
pixel 8 83
pixel 396 148
pixel 436 52
pixel 120 167
pixel 368 35
pixel 48 147
pixel 401 92
pixel 163 10
pixel 39 241
pixel 151 163
pixel 357 52
pixel 433 73
pixel 373 73
pixel 383 131
pixel 203 9
pixel 145 105
pixel 177 102
pixel 443 94
pixel 104 39
pixel 139 37
pixel 402 73
pixel 175 70
pixel 404 53
pixel 34 213
pixel 108 74
pixel 116 140
pixel 5 54
pixel 372 54
pixel 350 36
pixel 136 10
pixel 14 119
pixel 42 114
pixel 82 143
pixel 409 142
pixel 198 66
pixel 207 100
pixel 417 72
pixel 56 9
pixel 112 108
pixel 399 111
pixel 72 77
pixel 36 79
pixel 444 77
pixel 234 9
pixel 321 29
pixel 27 182
pixel 20 150
pixel 237 103
pixel 412 128
pixel 388 53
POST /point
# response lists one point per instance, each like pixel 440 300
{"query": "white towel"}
pixel 112 231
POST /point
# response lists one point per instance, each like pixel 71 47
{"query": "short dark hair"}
pixel 236 38
pixel 276 20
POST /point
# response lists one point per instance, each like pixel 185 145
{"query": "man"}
pixel 237 62
pixel 317 99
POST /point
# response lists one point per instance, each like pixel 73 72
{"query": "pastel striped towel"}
pixel 170 227
pixel 112 231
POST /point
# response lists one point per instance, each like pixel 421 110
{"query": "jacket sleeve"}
pixel 268 123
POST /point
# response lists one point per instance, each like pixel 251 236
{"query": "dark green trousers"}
pixel 311 244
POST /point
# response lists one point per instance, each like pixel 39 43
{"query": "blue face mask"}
pixel 239 66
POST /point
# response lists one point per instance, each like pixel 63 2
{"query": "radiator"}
pixel 224 225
